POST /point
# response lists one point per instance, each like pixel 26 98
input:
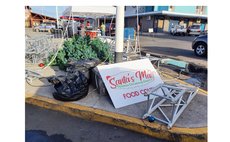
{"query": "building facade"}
pixel 161 18
pixel 27 16
pixel 32 19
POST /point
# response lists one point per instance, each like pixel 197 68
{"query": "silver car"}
pixel 200 45
pixel 178 30
pixel 194 29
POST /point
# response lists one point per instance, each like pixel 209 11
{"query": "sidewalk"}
pixel 191 126
pixel 152 34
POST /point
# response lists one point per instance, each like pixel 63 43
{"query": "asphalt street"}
pixel 44 125
pixel 166 45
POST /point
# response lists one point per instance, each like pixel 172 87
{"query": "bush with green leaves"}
pixel 78 48
pixel 102 50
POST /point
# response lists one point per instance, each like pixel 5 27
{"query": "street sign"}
pixel 128 81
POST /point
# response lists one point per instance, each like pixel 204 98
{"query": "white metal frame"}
pixel 38 48
pixel 175 96
pixel 32 75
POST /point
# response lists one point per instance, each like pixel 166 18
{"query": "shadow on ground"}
pixel 41 136
pixel 171 51
pixel 168 36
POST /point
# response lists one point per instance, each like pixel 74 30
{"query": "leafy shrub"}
pixel 81 48
pixel 102 50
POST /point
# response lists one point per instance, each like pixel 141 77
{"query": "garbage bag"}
pixel 88 63
pixel 84 65
pixel 72 87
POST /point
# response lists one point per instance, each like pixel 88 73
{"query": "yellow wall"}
pixel 166 25
pixel 160 24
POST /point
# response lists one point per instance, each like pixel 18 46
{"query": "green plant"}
pixel 102 50
pixel 81 48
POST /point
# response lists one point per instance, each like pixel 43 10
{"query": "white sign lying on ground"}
pixel 128 81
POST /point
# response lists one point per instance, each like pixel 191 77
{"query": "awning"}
pixel 90 11
pixel 72 18
pixel 169 13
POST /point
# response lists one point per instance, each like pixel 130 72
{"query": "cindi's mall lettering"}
pixel 127 79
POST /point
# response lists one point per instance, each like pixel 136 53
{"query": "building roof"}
pixel 169 13
pixel 47 17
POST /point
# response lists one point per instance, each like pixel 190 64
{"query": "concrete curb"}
pixel 142 126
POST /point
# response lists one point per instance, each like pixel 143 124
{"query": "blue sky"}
pixel 48 10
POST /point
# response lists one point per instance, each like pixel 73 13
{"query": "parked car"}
pixel 195 29
pixel 110 29
pixel 46 26
pixel 178 30
pixel 60 27
pixel 200 45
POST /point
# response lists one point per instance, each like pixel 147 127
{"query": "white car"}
pixel 46 26
pixel 178 30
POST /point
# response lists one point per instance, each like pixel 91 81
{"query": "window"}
pixel 199 9
pixel 202 8
pixel 171 8
pixel 149 8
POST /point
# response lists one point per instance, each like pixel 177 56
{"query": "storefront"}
pixel 164 20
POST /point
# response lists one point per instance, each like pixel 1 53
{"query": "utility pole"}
pixel 119 33
pixel 57 17
pixel 137 21
pixel 42 10
pixel 137 43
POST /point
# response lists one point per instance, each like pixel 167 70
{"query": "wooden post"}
pixel 31 23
